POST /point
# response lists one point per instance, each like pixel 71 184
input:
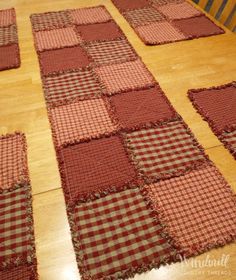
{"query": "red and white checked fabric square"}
pixel 179 11
pixel 70 86
pixel 124 76
pixel 13 167
pixel 229 138
pixel 198 208
pixel 90 15
pixel 111 52
pixel 51 20
pixel 80 120
pixel 117 234
pixel 143 16
pixel 159 32
pixel 15 234
pixel 8 35
pixel 56 38
pixel 23 272
pixel 7 17
pixel 165 150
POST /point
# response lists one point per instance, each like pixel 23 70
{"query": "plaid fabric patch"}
pixel 130 5
pixel 165 150
pixel 161 32
pixel 55 39
pixel 90 15
pixel 8 35
pixel 111 52
pixel 229 138
pixel 70 86
pixel 95 166
pixel 143 16
pixel 15 237
pixel 124 76
pixel 9 57
pixel 7 17
pixel 19 273
pixel 179 11
pixel 51 20
pixel 80 120
pixel 118 233
pixel 13 169
pixel 198 208
pixel 166 2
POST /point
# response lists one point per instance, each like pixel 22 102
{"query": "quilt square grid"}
pixel 139 107
pixel 110 52
pixel 65 87
pixel 7 17
pixel 164 151
pixel 117 233
pixel 81 120
pixel 8 35
pixel 94 167
pixel 198 208
pixel 124 76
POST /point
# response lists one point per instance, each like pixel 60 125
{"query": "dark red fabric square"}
pixel 99 31
pixel 141 106
pixel 63 59
pixel 130 4
pixel 197 26
pixel 9 57
pixel 95 166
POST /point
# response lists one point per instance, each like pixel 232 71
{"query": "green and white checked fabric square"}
pixel 117 233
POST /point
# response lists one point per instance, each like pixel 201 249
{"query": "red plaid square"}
pixel 229 139
pixel 124 76
pixel 8 35
pixel 13 168
pixel 165 150
pixel 80 120
pixel 23 272
pixel 138 107
pixel 90 15
pixel 198 208
pixel 63 59
pixel 130 5
pixel 70 86
pixel 117 234
pixel 55 39
pixel 7 17
pixel 9 57
pixel 166 2
pixel 179 11
pixel 110 52
pixel 51 20
pixel 95 166
pixel 15 235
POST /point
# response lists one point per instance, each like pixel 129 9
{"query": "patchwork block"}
pixel 9 57
pixel 164 151
pixel 229 139
pixel 8 35
pixel 70 86
pixel 179 11
pixel 63 59
pixel 130 5
pixel 22 272
pixel 7 17
pixel 94 167
pixel 166 2
pixel 90 15
pixel 83 119
pixel 111 52
pixel 56 38
pixel 198 208
pixel 124 76
pixel 107 31
pixel 197 26
pixel 50 20
pixel 139 107
pixel 13 168
pixel 159 33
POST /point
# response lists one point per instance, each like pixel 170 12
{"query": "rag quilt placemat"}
pixel 9 47
pixel 139 189
pixel 159 22
pixel 217 105
pixel 17 247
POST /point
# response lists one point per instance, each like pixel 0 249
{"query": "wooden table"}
pixel 177 67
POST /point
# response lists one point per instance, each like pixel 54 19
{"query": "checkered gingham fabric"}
pixel 198 208
pixel 25 272
pixel 164 150
pixel 7 17
pixel 79 84
pixel 8 35
pixel 118 232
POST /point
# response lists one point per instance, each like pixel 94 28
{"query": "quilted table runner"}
pixel 158 22
pixel 9 47
pixel 217 105
pixel 17 248
pixel 139 189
